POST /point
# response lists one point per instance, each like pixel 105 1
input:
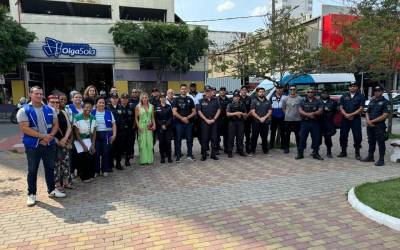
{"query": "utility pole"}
pixel 273 17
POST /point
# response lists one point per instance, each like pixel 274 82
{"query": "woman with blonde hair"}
pixel 90 92
pixel 144 118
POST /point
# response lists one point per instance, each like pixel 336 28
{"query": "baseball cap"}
pixel 222 88
pixel 208 88
pixel 378 88
pixel 236 92
pixel 114 95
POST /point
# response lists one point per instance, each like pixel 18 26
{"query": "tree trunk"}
pixel 390 119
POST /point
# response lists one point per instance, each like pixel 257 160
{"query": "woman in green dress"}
pixel 144 117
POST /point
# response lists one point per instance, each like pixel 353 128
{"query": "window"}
pixel 5 3
pixel 142 14
pixel 66 8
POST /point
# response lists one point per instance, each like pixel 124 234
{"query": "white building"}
pixel 64 27
pixel 302 8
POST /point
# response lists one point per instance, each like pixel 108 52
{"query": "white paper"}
pixel 78 146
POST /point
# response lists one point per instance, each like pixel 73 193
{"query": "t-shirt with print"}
pixel 184 105
pixel 86 126
pixel 42 127
pixel 291 106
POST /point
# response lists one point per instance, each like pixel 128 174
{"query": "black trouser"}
pixel 257 129
pixel 164 142
pixel 247 133
pixel 130 147
pixel 223 124
pixel 355 126
pixel 209 133
pixel 86 163
pixel 236 130
pixel 327 129
pixel 275 124
pixel 313 127
pixel 291 126
pixel 376 134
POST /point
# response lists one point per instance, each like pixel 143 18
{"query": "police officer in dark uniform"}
pixel 376 115
pixel 223 119
pixel 128 124
pixel 155 97
pixel 244 98
pixel 209 111
pixel 329 109
pixel 236 113
pixel 163 116
pixel 261 111
pixel 351 106
pixel 116 110
pixel 310 110
pixel 133 101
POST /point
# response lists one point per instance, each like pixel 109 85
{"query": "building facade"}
pixel 301 8
pixel 74 48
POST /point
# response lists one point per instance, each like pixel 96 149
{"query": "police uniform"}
pixel 128 121
pixel 261 107
pixel 209 132
pixel 236 127
pixel 223 122
pixel 117 148
pixel 163 117
pixel 247 123
pixel 376 134
pixel 327 126
pixel 351 104
pixel 310 125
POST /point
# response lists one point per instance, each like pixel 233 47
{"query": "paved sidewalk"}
pixel 261 202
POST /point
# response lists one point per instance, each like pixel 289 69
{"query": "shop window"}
pixel 5 4
pixel 66 8
pixel 142 14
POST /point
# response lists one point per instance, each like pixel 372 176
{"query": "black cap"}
pixel 352 84
pixel 114 95
pixel 378 88
pixel 192 84
pixel 154 90
pixel 208 88
pixel 236 92
pixel 222 88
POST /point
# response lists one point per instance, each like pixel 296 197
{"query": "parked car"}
pixel 396 103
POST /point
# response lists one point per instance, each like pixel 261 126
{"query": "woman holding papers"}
pixel 85 138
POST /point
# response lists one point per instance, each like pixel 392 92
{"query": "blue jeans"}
pixel 48 155
pixel 102 152
pixel 184 129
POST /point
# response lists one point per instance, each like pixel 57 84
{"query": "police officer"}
pixel 155 97
pixel 236 113
pixel 116 150
pixel 310 110
pixel 128 118
pixel 133 101
pixel 244 98
pixel 329 109
pixel 209 111
pixel 261 112
pixel 376 115
pixel 351 106
pixel 223 119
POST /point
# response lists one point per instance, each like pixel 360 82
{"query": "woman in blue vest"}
pixel 106 132
pixel 85 140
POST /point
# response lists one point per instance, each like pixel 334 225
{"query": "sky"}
pixel 190 10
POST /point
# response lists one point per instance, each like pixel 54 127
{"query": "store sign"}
pixel 55 48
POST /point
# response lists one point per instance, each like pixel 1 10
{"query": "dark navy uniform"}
pixel 247 123
pixel 329 109
pixel 129 130
pixel 310 125
pixel 209 108
pixel 376 134
pixel 163 117
pixel 116 150
pixel 236 127
pixel 351 104
pixel 261 107
pixel 223 122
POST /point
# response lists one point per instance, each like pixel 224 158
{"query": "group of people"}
pixel 89 135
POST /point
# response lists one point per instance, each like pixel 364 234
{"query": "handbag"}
pixel 150 126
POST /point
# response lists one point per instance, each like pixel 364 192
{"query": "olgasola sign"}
pixel 55 48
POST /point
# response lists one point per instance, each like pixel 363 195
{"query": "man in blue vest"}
pixel 39 124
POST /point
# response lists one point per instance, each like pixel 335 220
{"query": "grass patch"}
pixel 394 136
pixel 382 196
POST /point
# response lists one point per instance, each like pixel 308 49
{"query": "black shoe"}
pixel 242 154
pixel 162 160
pixel 203 157
pixel 358 157
pixel 214 157
pixel 329 155
pixel 342 154
pixel 118 166
pixel 317 157
pixel 170 160
pixel 380 163
pixel 265 151
pixel 217 153
pixel 127 163
pixel 299 156
pixel 230 155
pixel 178 159
pixel 286 151
pixel 369 158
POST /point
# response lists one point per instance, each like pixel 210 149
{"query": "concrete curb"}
pixel 379 217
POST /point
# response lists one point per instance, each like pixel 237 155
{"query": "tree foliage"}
pixel 14 40
pixel 162 46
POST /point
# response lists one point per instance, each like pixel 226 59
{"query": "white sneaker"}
pixel 105 174
pixel 31 201
pixel 95 175
pixel 57 194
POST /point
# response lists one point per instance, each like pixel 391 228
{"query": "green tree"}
pixel 162 46
pixel 14 40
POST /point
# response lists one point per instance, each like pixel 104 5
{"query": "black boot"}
pixel 343 153
pixel 203 156
pixel 380 162
pixel 169 159
pixel 162 160
pixel 357 154
pixel 369 158
pixel 127 163
pixel 317 156
pixel 118 166
pixel 300 155
pixel 329 152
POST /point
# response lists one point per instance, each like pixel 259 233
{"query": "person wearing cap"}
pixel 155 98
pixel 278 116
pixel 327 126
pixel 196 96
pixel 310 110
pixel 351 106
pixel 223 119
pixel 290 107
pixel 261 111
pixel 237 114
pixel 163 117
pixel 247 123
pixel 126 135
pixel 209 111
pixel 377 113
pixel 184 111
pixel 116 110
